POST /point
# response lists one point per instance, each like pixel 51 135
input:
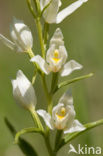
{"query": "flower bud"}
pixel 21 35
pixel 23 91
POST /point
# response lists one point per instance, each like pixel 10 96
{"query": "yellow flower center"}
pixel 56 56
pixel 56 53
pixel 62 113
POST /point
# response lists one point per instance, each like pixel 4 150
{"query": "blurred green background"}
pixel 83 32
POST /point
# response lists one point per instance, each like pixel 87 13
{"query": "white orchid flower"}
pixel 23 91
pixel 52 14
pixel 21 36
pixel 56 57
pixel 63 116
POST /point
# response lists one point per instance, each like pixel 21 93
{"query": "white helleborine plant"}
pixel 63 116
pixel 21 36
pixel 23 91
pixel 52 14
pixel 56 57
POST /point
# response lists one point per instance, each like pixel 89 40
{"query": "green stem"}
pixel 37 3
pixel 54 82
pixel 47 142
pixel 36 119
pixel 46 30
pixel 26 130
pixel 39 27
pixel 31 8
pixel 50 105
pixel 49 97
pixel 45 86
pixel 34 77
pixel 30 52
pixel 31 55
pixel 58 139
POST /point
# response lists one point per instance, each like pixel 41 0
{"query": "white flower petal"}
pixel 61 120
pixel 50 52
pixel 23 91
pixel 57 38
pixel 65 119
pixel 67 98
pixel 60 3
pixel 63 53
pixel 55 108
pixel 58 121
pixel 42 64
pixel 69 10
pixel 76 127
pixel 51 12
pixel 56 54
pixel 26 88
pixel 69 67
pixel 71 115
pixel 46 116
pixel 43 3
pixel 54 65
pixel 57 34
pixel 7 42
pixel 21 35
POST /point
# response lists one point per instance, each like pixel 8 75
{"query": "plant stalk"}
pixel 39 27
pixel 47 142
pixel 36 119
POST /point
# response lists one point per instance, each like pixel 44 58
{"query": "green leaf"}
pixel 62 84
pixel 25 147
pixel 10 126
pixel 68 137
